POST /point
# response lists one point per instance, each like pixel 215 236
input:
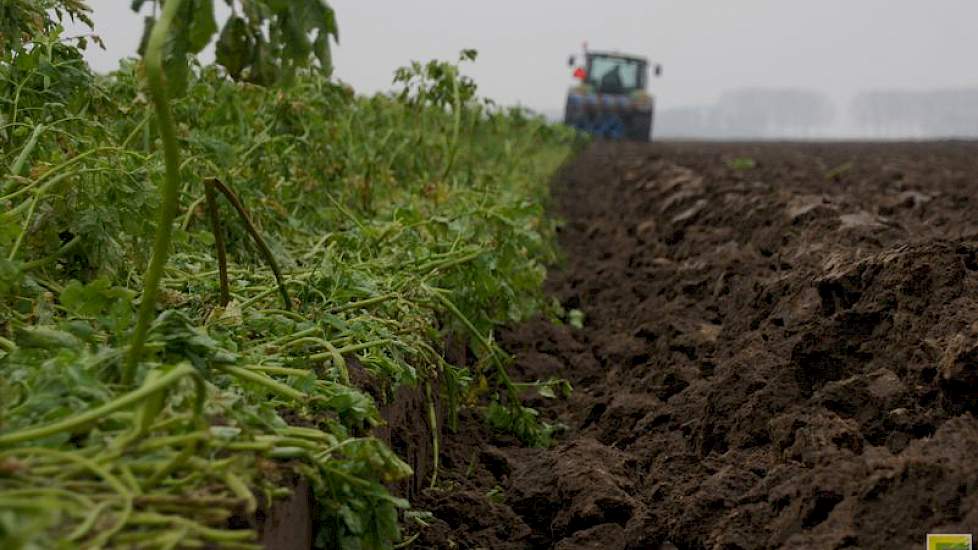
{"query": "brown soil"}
pixel 783 356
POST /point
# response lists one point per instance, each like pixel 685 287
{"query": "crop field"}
pixel 777 351
pixel 227 291
pixel 245 307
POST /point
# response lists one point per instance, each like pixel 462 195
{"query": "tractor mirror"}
pixel 571 61
pixel 658 70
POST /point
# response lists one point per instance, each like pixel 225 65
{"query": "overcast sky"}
pixel 840 47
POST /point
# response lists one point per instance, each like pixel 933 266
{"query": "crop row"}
pixel 321 237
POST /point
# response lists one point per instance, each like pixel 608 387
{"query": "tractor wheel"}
pixel 640 127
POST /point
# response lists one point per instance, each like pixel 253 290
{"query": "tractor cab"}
pixel 611 99
pixel 615 74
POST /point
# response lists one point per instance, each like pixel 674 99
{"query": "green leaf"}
pixel 109 305
pixel 93 298
pixel 234 47
pixel 322 17
pixel 329 23
pixel 175 51
pixel 10 276
pixel 297 44
pixel 352 520
pixel 43 337
pixel 323 53
pixel 264 71
pixel 182 341
pixel 278 6
pixel 176 67
pixel 202 25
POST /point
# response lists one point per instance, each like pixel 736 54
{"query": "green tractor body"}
pixel 612 100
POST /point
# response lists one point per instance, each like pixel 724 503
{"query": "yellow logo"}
pixel 948 542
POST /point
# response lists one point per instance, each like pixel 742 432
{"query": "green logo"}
pixel 948 542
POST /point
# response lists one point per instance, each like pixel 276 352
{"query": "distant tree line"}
pixel 752 113
pixel 937 113
pixel 790 113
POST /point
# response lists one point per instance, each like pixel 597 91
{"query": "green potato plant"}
pixel 395 221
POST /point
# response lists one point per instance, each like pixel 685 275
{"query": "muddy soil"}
pixel 780 350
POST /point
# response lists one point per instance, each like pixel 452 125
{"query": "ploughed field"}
pixel 779 350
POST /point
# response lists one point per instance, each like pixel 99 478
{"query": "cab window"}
pixel 601 74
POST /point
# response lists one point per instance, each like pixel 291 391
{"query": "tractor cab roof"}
pixel 618 55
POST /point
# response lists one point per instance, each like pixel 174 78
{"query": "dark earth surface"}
pixel 782 355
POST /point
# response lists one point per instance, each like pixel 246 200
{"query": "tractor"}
pixel 611 100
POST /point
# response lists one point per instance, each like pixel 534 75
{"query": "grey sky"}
pixel 706 46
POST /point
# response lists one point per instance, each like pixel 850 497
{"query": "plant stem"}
pixel 333 352
pixel 265 381
pixel 24 229
pixel 456 124
pixel 222 258
pixel 170 194
pixel 17 167
pixel 255 235
pixel 362 303
pixel 97 413
pixel 483 340
pixel 66 248
pixel 433 424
